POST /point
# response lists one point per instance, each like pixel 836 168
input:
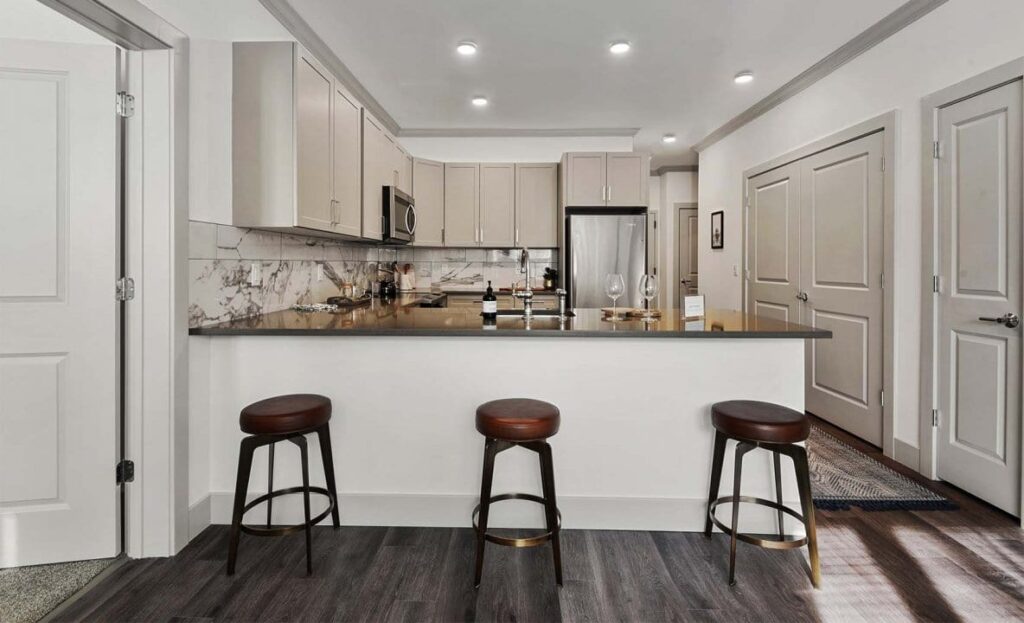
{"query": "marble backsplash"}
pixel 297 269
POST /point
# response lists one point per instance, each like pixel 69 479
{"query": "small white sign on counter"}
pixel 693 306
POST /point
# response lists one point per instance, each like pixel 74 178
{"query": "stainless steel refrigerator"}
pixel 603 241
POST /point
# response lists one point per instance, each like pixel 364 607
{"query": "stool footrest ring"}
pixel 532 541
pixel 280 530
pixel 769 543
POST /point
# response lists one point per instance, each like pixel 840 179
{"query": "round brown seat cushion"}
pixel 517 419
pixel 765 422
pixel 282 415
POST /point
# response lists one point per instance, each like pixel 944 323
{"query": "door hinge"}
pixel 936 150
pixel 883 164
pixel 935 418
pixel 125 472
pixel 936 284
pixel 881 397
pixel 124 289
pixel 125 104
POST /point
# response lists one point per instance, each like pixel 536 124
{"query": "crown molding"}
pixel 675 168
pixel 304 34
pixel 888 26
pixel 511 132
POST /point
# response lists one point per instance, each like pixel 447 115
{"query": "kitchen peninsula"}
pixel 635 445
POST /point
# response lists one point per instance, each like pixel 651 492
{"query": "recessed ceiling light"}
pixel 466 48
pixel 743 77
pixel 668 138
pixel 619 47
pixel 479 100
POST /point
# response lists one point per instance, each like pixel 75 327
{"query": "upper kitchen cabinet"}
pixel 537 204
pixel 461 204
pixel 428 190
pixel 295 143
pixel 380 168
pixel 613 179
pixel 497 204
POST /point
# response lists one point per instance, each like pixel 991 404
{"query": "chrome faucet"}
pixel 526 294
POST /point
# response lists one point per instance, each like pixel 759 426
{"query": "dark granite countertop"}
pixel 400 318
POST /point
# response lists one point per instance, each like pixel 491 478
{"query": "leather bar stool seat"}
pixel 763 422
pixel 283 415
pixel 517 419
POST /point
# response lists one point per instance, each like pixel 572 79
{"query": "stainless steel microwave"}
pixel 399 216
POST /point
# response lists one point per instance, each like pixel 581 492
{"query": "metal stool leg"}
pixel 803 478
pixel 270 483
pixel 300 441
pixel 247 447
pixel 778 491
pixel 741 449
pixel 716 477
pixel 490 451
pixel 547 476
pixel 324 434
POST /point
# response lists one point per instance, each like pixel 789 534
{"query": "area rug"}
pixel 843 477
pixel 27 594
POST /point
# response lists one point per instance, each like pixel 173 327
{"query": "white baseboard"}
pixel 578 512
pixel 907 455
pixel 198 517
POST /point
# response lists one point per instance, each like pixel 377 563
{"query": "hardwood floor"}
pixel 944 566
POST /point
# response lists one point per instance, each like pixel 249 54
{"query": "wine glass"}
pixel 614 286
pixel 648 290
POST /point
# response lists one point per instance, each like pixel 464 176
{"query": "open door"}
pixel 58 315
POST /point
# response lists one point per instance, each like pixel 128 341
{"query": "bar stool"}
pixel 528 424
pixel 283 418
pixel 777 429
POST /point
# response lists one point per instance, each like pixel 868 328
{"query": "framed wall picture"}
pixel 718 230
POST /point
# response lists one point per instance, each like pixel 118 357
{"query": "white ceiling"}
pixel 545 64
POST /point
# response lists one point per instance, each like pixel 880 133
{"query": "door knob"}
pixel 1009 320
pixel 802 296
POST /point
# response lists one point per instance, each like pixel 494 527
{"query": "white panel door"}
pixel 58 320
pixel 314 93
pixel 687 250
pixel 773 242
pixel 979 361
pixel 841 255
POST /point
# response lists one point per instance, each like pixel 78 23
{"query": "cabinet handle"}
pixel 609 198
pixel 517 237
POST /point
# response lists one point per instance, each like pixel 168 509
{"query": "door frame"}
pixel 888 124
pixel 676 207
pixel 930 106
pixel 154 239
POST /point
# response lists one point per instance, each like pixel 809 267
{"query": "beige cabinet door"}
pixel 376 172
pixel 497 204
pixel 773 243
pixel 537 204
pixel 841 263
pixel 585 179
pixel 461 204
pixel 428 191
pixel 406 173
pixel 627 179
pixel 978 380
pixel 348 173
pixel 313 95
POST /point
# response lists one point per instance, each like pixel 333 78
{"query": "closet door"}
pixel 841 256
pixel 773 238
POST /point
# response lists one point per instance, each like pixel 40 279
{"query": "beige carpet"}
pixel 28 593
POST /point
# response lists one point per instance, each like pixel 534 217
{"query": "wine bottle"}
pixel 490 310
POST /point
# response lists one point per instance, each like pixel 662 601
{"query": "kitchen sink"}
pixel 547 313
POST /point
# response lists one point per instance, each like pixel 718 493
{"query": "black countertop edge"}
pixel 535 333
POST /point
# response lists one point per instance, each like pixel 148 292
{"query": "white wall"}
pixel 958 40
pixel 510 148
pixel 667 190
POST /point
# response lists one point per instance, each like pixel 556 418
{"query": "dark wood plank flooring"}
pixel 944 566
